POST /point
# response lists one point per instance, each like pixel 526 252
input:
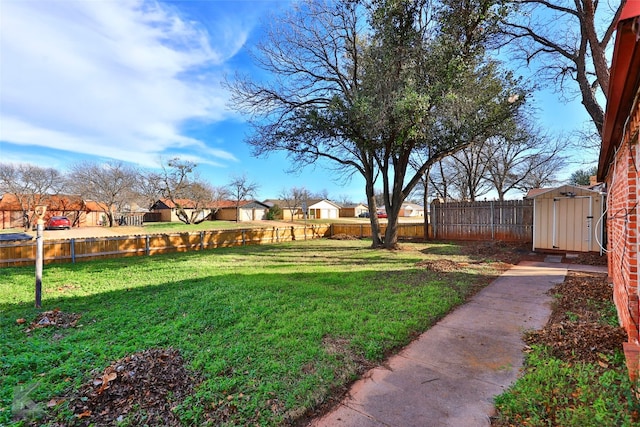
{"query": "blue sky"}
pixel 140 81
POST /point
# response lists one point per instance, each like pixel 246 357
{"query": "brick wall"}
pixel 623 182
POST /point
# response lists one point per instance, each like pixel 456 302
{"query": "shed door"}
pixel 572 224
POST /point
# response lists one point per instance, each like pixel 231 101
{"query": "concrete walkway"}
pixel 451 373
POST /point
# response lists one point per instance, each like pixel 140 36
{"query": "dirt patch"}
pixel 577 330
pixel 141 389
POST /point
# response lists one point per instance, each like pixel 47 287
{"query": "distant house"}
pixel 315 209
pixel 288 213
pixel 11 214
pixel 409 209
pixel 71 206
pixel 322 209
pixel 168 209
pixel 95 214
pixel 245 210
pixel 353 210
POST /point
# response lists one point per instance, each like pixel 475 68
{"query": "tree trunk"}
pixel 391 234
pixel 425 204
pixel 376 236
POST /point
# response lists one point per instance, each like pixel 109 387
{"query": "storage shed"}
pixel 567 218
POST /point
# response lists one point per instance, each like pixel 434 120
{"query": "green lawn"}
pixel 287 323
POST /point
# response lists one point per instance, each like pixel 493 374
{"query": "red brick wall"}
pixel 623 182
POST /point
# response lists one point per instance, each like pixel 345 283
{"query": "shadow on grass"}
pixel 263 335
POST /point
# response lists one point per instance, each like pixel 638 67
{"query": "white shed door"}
pixel 573 224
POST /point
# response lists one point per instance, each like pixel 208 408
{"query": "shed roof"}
pixel 576 189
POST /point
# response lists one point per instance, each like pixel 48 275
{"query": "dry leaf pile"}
pixel 53 318
pixel 575 331
pixel 141 389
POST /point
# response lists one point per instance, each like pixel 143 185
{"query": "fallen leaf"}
pixel 54 402
pixel 84 414
pixel 20 321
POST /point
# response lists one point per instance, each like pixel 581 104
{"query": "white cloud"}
pixel 110 78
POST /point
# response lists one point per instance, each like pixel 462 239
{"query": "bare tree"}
pixel 111 185
pixel 345 200
pixel 440 177
pixel 241 188
pixel 181 184
pixel 566 42
pixel 293 199
pixel 30 184
pixel 471 171
pixel 149 187
pixel 514 162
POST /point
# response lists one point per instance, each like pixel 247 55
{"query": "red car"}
pixel 58 223
pixel 382 214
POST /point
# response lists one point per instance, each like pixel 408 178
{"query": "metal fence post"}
pixel 73 251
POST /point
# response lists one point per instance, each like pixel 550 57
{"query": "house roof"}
pixel 54 202
pixel 310 202
pixel 313 202
pixel 272 202
pixel 187 204
pixel 227 204
pixel 93 206
pixel 411 205
pixel 623 84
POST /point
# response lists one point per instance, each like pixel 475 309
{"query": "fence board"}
pixel 509 220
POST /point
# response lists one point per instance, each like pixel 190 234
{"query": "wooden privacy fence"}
pixel 72 250
pixel 405 231
pixel 509 220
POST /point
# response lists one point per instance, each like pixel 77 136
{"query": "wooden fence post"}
pixel 493 225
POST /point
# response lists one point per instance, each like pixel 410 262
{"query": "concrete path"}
pixel 451 373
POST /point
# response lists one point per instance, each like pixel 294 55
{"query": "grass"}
pixel 288 323
pixel 556 393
